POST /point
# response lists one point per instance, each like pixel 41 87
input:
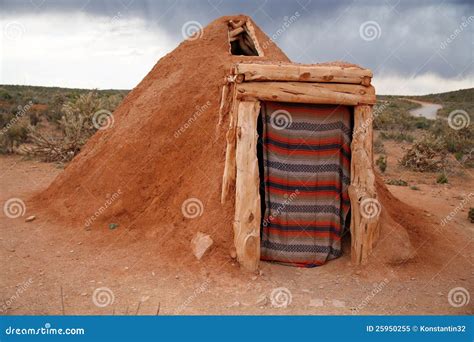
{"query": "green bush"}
pixel 12 137
pixel 428 154
pixel 442 179
pixel 398 182
pixel 381 162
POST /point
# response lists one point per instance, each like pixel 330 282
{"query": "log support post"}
pixel 247 196
pixel 365 207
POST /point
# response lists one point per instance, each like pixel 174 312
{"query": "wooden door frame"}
pixel 253 83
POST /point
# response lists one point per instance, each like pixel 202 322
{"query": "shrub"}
pixel 381 162
pixel 397 136
pixel 76 127
pixel 428 154
pixel 398 182
pixel 12 137
pixel 378 146
pixel 442 179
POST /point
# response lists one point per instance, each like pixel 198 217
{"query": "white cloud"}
pixel 419 85
pixel 77 50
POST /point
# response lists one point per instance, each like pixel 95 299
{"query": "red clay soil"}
pixel 165 148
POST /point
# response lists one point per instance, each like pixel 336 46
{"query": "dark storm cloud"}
pixel 409 34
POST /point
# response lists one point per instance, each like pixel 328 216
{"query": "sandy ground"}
pixel 120 272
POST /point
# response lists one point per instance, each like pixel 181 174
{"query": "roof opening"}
pixel 242 39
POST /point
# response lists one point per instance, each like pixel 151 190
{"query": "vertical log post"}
pixel 247 196
pixel 365 208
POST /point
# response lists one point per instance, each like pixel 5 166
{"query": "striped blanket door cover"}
pixel 306 166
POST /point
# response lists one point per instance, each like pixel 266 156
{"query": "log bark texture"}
pixel 306 92
pixel 292 72
pixel 365 207
pixel 247 196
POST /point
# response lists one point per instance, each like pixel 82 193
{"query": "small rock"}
pixel 358 272
pixel 412 278
pixel 176 277
pixel 306 290
pixel 153 274
pixel 440 294
pixel 71 251
pixel 79 243
pixel 144 298
pixel 254 278
pixel 200 244
pixel 233 253
pixel 30 218
pixel 126 267
pixel 321 287
pixel 11 250
pixel 84 294
pixel 260 273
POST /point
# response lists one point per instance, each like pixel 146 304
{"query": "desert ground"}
pixel 51 268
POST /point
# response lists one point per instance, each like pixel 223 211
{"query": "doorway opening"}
pixel 304 157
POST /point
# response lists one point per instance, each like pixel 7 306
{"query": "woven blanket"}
pixel 306 166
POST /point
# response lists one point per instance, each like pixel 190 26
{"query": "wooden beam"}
pixel 236 32
pixel 247 196
pixel 365 207
pixel 293 72
pixel 251 32
pixel 237 24
pixel 305 92
pixel 228 178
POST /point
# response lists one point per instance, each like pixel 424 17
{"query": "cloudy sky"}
pixel 413 47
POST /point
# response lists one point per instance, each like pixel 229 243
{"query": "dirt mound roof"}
pixel 162 150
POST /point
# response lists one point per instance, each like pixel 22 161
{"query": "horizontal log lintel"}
pixel 304 73
pixel 306 92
